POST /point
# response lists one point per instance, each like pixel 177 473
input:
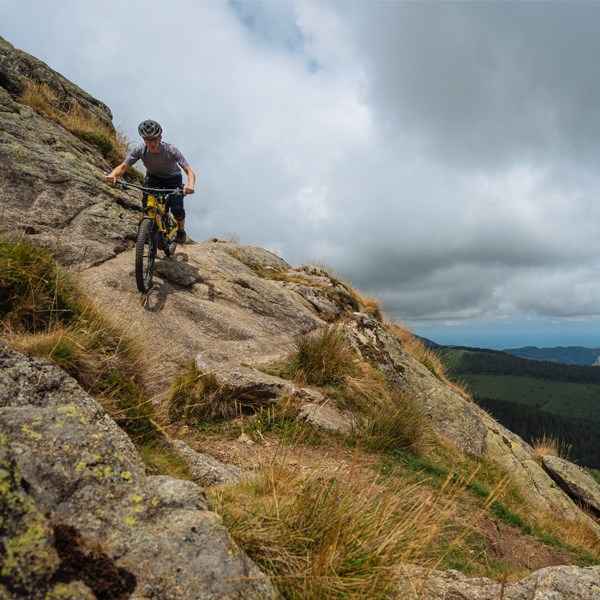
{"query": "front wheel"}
pixel 145 254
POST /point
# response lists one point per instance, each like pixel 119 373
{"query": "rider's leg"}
pixel 179 214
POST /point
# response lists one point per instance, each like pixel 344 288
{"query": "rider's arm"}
pixel 117 172
pixel 189 188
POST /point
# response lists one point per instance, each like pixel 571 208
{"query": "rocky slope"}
pixel 75 498
pixel 52 181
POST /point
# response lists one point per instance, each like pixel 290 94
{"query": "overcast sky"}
pixel 442 156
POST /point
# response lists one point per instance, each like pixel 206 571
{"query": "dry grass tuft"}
pixel 550 446
pixel 322 359
pixel 45 101
pixel 417 348
pixel 369 305
pixel 397 423
pixel 198 396
pixel 428 357
pixel 65 348
pixel 321 539
pixel 385 418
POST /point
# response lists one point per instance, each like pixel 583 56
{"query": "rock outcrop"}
pixel 52 182
pixel 576 482
pixel 556 583
pixel 77 509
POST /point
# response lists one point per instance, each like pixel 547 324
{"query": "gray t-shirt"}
pixel 164 164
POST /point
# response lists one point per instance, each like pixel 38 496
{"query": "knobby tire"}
pixel 145 255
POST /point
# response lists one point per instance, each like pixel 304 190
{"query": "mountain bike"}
pixel 156 231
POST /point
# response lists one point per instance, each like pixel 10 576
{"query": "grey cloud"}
pixel 485 83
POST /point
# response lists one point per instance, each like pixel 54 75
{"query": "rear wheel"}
pixel 145 254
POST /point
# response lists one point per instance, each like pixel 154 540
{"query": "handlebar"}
pixel 123 185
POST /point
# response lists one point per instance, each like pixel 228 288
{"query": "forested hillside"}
pixel 534 398
pixel 496 362
pixel 569 355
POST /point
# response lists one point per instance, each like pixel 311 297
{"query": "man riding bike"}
pixel 163 164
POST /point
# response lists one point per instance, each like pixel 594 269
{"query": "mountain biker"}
pixel 163 164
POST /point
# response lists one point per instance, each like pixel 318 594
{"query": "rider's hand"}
pixel 188 190
pixel 111 180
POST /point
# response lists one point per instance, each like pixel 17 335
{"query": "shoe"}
pixel 181 236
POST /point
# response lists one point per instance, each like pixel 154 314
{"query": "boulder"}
pixel 556 583
pixel 576 482
pixel 326 415
pixel 252 387
pixel 206 470
pixel 81 509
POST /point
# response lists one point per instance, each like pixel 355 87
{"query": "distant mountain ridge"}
pixel 568 355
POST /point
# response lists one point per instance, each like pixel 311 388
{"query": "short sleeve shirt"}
pixel 165 163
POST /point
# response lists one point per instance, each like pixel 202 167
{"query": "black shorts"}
pixel 168 183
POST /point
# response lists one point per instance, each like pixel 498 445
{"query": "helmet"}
pixel 149 129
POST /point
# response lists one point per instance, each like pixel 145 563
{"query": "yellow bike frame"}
pixel 165 222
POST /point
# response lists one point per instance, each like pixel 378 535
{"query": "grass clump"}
pixel 197 396
pixel 322 359
pixel 385 418
pixel 65 348
pixel 398 424
pixel 160 460
pixel 34 293
pixel 595 473
pixel 333 538
pixel 549 445
pixel 428 357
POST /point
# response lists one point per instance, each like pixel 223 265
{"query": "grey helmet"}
pixel 149 129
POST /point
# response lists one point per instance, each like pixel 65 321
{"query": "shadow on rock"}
pixel 155 300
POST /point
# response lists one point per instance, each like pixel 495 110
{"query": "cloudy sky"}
pixel 442 156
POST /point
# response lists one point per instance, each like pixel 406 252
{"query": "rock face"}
pixel 556 583
pixel 206 470
pixel 76 506
pixel 578 484
pixel 51 182
pixel 17 69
